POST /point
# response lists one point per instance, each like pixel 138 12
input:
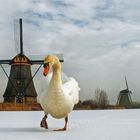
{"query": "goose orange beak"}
pixel 46 69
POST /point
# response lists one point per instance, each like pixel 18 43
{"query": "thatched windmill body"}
pixel 20 87
pixel 124 97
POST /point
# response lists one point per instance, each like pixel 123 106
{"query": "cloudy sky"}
pixel 100 40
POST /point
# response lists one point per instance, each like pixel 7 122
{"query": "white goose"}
pixel 60 98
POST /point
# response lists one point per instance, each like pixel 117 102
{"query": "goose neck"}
pixel 56 78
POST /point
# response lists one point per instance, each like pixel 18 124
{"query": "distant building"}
pixel 124 97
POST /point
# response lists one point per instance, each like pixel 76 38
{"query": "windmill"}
pixel 20 87
pixel 124 97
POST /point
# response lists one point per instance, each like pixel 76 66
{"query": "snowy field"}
pixel 82 125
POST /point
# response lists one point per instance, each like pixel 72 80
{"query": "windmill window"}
pixel 19 98
pixel 19 83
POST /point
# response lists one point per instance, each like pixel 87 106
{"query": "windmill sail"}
pixel 18 36
pixel 126 83
pixel 7 61
pixel 38 59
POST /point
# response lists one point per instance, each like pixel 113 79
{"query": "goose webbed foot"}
pixel 65 126
pixel 44 122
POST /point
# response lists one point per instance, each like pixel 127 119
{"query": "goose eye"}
pixel 45 64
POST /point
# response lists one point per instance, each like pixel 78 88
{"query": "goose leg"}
pixel 65 126
pixel 44 122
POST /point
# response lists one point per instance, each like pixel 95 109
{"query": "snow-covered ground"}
pixel 82 125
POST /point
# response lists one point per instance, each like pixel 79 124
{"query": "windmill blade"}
pixel 126 83
pixel 17 35
pixel 5 61
pixel 39 59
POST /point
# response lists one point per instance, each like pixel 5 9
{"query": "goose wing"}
pixel 71 88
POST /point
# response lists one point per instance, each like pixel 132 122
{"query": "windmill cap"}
pixel 125 91
pixel 20 59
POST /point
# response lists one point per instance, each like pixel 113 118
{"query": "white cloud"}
pixel 99 38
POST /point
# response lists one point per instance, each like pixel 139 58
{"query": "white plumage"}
pixel 62 94
pixel 71 88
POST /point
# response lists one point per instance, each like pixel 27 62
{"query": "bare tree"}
pixel 101 98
